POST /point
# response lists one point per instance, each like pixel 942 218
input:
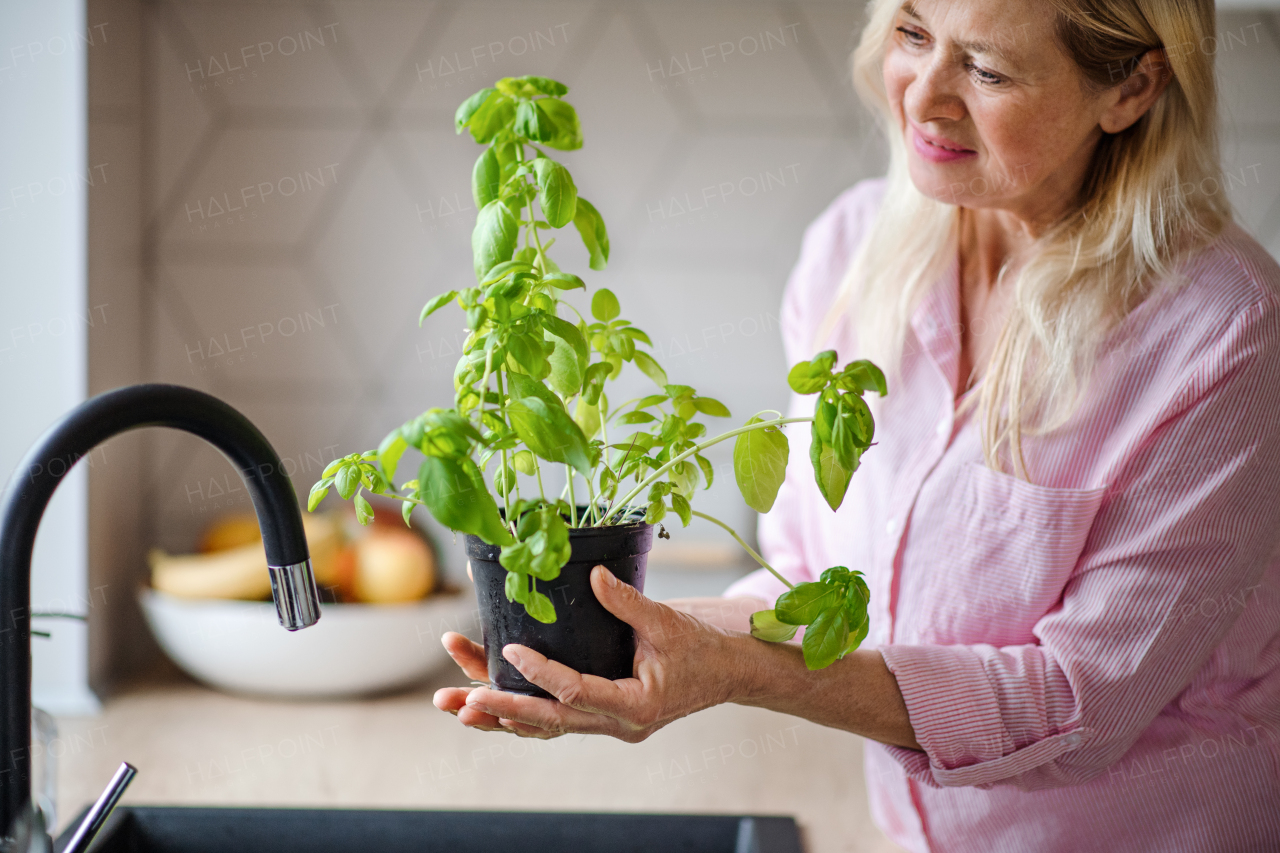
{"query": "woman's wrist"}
pixel 756 666
pixel 857 693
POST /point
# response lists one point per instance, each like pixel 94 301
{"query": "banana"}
pixel 233 573
pixel 241 572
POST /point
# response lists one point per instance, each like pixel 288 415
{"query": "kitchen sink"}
pixel 165 829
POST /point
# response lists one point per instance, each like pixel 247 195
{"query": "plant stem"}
pixel 502 414
pixel 573 502
pixel 592 512
pixel 747 547
pixel 697 448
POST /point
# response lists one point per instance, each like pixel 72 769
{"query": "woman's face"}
pixel 993 112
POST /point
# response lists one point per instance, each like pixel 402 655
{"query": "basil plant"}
pixel 531 392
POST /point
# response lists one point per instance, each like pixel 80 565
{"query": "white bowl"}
pixel 355 649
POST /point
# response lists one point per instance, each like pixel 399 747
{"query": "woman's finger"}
pixel 625 601
pixel 583 692
pixel 546 714
pixel 522 730
pixel 451 699
pixel 468 655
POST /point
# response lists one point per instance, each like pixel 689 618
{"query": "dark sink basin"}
pixel 157 829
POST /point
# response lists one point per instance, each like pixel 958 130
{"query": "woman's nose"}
pixel 932 95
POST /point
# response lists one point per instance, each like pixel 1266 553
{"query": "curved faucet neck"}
pixel 37 477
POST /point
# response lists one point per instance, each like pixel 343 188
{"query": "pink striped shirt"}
pixel 1091 660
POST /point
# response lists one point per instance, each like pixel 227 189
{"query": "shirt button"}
pixel 943 426
pixel 1072 740
pixel 891 526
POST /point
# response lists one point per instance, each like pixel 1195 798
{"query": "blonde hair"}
pixel 1088 271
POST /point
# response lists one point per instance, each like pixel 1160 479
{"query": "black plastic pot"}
pixel 584 636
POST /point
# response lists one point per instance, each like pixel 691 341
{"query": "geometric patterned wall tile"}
pixel 391 226
pixel 260 185
pixel 267 56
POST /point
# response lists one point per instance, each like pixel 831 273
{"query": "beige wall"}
pixel 319 288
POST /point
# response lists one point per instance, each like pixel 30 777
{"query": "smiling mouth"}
pixel 954 149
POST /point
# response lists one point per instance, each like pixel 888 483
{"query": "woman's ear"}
pixel 1132 98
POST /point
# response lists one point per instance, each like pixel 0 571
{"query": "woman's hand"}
pixel 682 665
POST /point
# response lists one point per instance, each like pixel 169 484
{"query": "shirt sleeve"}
pixel 825 254
pixel 1193 516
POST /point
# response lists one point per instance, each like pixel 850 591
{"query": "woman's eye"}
pixel 912 36
pixel 983 75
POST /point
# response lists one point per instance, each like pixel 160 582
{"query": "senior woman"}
pixel 1070 523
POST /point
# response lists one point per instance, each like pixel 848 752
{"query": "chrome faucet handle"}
pixel 294 590
pixel 101 810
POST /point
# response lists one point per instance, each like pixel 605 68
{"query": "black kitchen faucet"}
pixel 32 485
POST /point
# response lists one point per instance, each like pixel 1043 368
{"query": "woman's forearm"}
pixel 858 693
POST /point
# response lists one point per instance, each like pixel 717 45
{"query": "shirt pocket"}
pixel 998 557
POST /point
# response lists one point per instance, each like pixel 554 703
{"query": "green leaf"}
pixel 529 124
pixel 364 512
pixel 526 353
pixel 805 378
pixel 406 512
pixel 825 639
pixel 708 470
pixel 650 368
pixel 545 533
pixel 802 604
pixel 436 304
pixel 494 237
pixel 348 480
pixel 760 465
pixel 674 391
pixel 860 421
pixel 468 108
pixel 566 130
pixel 491 117
pixel 516 585
pixel 540 607
pixel 824 361
pixel 390 451
pixel 564 281
pixel 656 512
pixel 856 636
pixel 765 626
pixel 486 178
pixel 557 194
pixel 637 335
pixel 523 387
pixel 502 270
pixel 636 418
pixel 590 226
pixel 549 432
pixel 711 407
pixel 318 493
pixel 454 492
pixel 566 367
pixel 604 305
pixel 651 400
pixel 504 480
pixel 680 505
pixel 587 417
pixel 568 333
pixel 830 473
pixel 593 381
pixel 525 463
pixel 864 376
pixel 529 86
